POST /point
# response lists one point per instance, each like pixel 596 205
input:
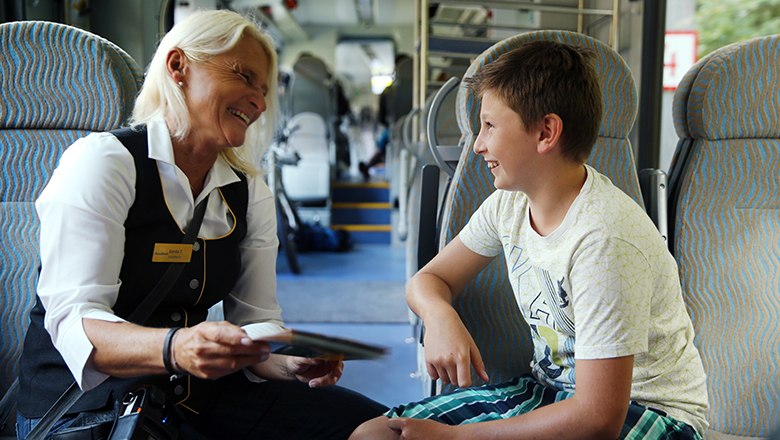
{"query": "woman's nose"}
pixel 258 101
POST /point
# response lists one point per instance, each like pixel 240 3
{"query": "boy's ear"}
pixel 550 132
pixel 176 62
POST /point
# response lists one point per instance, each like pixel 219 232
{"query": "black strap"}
pixel 7 403
pixel 139 315
pixel 155 297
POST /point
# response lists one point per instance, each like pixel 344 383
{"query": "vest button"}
pixel 194 284
pixel 178 390
pixel 175 316
pixel 196 246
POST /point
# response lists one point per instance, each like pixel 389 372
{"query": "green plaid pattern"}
pixel 524 394
pixel 645 423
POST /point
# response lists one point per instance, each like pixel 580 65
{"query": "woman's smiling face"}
pixel 226 93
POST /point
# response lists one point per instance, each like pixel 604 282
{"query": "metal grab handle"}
pixel 406 129
pixel 445 155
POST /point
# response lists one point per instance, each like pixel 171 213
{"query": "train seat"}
pixel 58 84
pixel 724 219
pixel 310 89
pixel 487 305
pixel 447 132
pixel 308 182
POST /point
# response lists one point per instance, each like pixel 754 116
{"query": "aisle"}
pixel 363 285
pixel 389 380
pixel 358 295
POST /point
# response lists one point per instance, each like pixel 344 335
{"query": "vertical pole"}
pixel 615 29
pixel 423 43
pixel 649 121
pixel 417 102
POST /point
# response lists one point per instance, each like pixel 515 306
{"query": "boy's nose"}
pixel 478 144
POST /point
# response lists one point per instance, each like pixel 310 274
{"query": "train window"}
pixel 368 63
pixel 730 21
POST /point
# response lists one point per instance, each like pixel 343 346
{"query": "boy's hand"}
pixel 316 372
pixel 410 429
pixel 450 352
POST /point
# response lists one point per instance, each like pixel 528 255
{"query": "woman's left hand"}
pixel 316 372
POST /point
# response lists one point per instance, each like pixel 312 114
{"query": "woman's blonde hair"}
pixel 201 36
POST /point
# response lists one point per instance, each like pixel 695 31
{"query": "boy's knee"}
pixel 374 429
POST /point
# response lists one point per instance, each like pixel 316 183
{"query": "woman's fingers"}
pixel 316 372
pixel 214 349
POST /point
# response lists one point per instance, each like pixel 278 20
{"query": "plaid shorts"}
pixel 524 394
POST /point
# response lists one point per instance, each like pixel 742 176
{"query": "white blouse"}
pixel 82 211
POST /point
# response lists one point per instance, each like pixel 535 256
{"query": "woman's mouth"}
pixel 243 116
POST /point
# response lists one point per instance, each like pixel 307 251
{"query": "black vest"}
pixel 207 279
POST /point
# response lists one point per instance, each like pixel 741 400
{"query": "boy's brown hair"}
pixel 545 77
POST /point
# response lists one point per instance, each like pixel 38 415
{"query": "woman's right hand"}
pixel 211 350
pixel 450 351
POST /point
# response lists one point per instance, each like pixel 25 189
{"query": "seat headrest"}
pixel 58 76
pixel 617 85
pixel 732 93
pixel 309 124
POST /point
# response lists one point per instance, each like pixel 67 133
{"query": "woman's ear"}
pixel 176 63
pixel 550 132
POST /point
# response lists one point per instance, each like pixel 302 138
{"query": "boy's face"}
pixel 505 144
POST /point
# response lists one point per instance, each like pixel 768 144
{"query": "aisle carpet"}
pixel 365 285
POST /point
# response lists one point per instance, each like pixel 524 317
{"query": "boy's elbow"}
pixel 598 421
pixel 416 285
pixel 599 426
pixel 607 428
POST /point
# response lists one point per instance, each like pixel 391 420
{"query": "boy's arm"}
pixel 597 410
pixel 449 348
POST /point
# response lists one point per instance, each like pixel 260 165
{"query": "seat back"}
pixel 308 182
pixel 399 93
pixel 58 83
pixel 725 229
pixel 311 89
pixel 487 305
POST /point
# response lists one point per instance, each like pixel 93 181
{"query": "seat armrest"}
pixel 652 182
pixel 427 238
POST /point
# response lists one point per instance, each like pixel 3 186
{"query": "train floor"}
pixel 359 295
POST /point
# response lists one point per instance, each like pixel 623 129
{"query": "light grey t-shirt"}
pixel 602 285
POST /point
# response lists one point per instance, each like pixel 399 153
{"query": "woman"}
pixel 111 218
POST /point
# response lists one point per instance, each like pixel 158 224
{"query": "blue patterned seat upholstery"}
pixel 725 229
pixel 57 83
pixel 487 305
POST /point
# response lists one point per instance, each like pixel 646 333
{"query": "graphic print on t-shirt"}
pixel 548 316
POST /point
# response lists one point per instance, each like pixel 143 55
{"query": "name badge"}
pixel 172 253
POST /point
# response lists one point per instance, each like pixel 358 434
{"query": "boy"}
pixel 599 289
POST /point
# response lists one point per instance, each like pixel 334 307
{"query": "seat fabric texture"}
pixel 725 229
pixel 57 83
